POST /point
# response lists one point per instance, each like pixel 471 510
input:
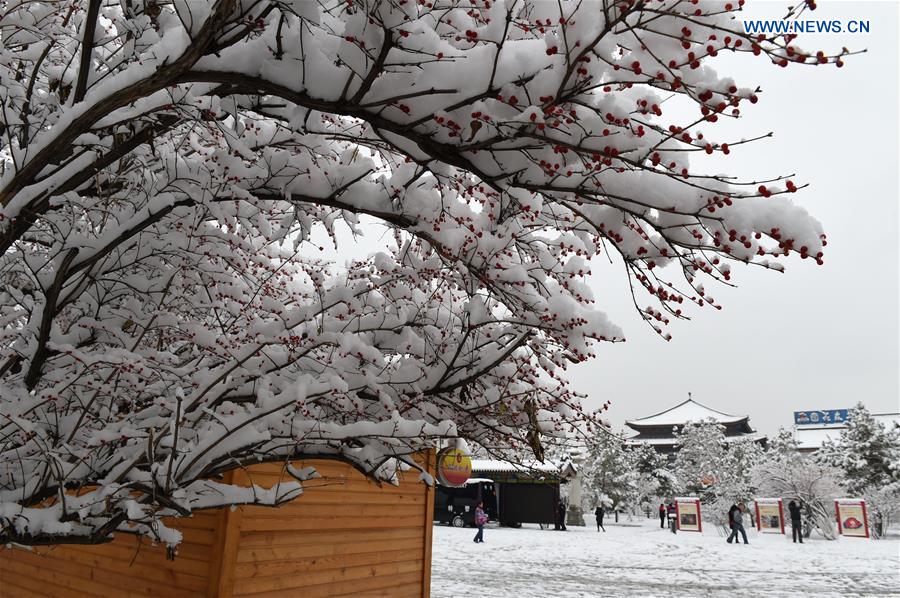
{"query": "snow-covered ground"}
pixel 644 560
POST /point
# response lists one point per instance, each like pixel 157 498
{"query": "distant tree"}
pixel 867 453
pixel 784 472
pixel 867 457
pixel 713 468
pixel 883 506
pixel 610 474
pixel 656 478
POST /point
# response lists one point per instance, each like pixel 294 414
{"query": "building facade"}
pixel 659 430
pixel 812 428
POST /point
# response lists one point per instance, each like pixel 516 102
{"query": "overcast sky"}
pixel 814 337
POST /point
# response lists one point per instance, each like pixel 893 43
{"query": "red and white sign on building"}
pixel 852 518
pixel 687 514
pixel 769 515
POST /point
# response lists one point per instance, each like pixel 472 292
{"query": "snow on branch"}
pixel 168 172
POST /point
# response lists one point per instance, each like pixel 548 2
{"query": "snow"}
pixel 639 559
pixel 813 438
pixel 688 411
pixel 494 465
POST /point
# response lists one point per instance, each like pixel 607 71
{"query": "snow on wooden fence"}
pixel 344 535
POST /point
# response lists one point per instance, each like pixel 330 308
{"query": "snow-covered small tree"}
pixel 716 470
pixel 655 476
pixel 883 506
pixel 867 453
pixel 786 473
pixel 170 173
pixel 610 475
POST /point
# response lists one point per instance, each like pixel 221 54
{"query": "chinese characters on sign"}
pixel 828 416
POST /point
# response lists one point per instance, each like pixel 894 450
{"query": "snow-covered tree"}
pixel 883 506
pixel 655 480
pixel 714 469
pixel 867 453
pixel 609 472
pixel 171 172
pixel 786 473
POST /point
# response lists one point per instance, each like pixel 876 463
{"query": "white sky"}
pixel 814 337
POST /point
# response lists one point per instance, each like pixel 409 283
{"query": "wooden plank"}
pixel 204 537
pixel 90 575
pixel 282 553
pixel 330 512
pixel 33 582
pixel 430 466
pixel 335 522
pixel 296 582
pixel 323 563
pixel 144 554
pixel 23 566
pixel 225 549
pixel 8 589
pixel 363 497
pixel 153 573
pixel 251 539
pixel 387 587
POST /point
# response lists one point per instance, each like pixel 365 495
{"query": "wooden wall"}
pixel 345 535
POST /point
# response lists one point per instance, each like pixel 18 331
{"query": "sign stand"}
pixel 687 514
pixel 769 515
pixel 852 518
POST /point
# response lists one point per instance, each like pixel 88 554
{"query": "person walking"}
pixel 796 523
pixel 662 515
pixel 598 513
pixel 731 521
pixel 737 524
pixel 672 515
pixel 480 519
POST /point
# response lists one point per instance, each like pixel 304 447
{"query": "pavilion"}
pixel 658 430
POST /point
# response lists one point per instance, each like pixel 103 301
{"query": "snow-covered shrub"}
pixel 715 469
pixel 786 473
pixel 170 174
pixel 883 507
pixel 867 453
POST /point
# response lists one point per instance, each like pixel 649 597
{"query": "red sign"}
pixel 687 514
pixel 852 518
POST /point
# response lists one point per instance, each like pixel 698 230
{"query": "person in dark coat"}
pixel 561 515
pixel 796 523
pixel 737 525
pixel 672 515
pixel 731 522
pixel 598 513
pixel 662 515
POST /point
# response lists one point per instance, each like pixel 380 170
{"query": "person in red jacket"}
pixel 480 519
pixel 662 515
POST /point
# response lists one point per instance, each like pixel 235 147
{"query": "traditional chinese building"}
pixel 658 430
